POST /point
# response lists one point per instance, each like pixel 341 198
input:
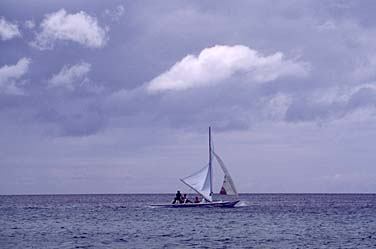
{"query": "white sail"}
pixel 200 182
pixel 228 186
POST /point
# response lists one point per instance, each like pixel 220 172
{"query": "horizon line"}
pixel 172 193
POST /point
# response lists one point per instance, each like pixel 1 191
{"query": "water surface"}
pixel 126 221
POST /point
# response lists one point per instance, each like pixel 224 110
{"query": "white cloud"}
pixel 277 106
pixel 328 26
pixel 30 24
pixel 115 13
pixel 216 64
pixel 366 68
pixel 10 76
pixel 79 27
pixel 68 77
pixel 8 30
pixel 328 104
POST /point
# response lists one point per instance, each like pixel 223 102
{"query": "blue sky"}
pixel 116 96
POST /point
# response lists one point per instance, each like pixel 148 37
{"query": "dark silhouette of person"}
pixel 185 199
pixel 196 200
pixel 178 198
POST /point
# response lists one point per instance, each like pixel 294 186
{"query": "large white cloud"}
pixel 79 27
pixel 216 64
pixel 10 76
pixel 68 77
pixel 8 30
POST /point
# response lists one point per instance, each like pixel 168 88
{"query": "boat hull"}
pixel 217 204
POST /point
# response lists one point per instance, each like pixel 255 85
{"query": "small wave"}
pixel 79 237
pixel 34 207
pixel 243 204
pixel 118 207
pixel 121 240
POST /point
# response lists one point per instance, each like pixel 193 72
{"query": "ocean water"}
pixel 126 221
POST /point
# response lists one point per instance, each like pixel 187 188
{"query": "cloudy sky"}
pixel 117 96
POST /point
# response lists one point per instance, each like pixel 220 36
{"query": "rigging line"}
pixel 212 143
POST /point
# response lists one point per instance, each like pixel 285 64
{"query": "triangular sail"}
pixel 228 186
pixel 200 182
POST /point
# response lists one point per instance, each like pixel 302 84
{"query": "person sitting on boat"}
pixel 196 200
pixel 185 199
pixel 178 198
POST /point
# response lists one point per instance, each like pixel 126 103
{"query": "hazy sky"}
pixel 117 96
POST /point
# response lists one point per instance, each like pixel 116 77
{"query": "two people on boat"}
pixel 183 198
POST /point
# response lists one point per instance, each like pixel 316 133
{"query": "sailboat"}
pixel 202 183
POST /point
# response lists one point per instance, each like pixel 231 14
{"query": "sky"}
pixel 117 96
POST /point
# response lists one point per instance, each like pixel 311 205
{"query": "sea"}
pixel 127 221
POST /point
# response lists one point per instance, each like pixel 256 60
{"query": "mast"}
pixel 210 164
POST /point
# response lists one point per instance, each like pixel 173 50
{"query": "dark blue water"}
pixel 126 221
